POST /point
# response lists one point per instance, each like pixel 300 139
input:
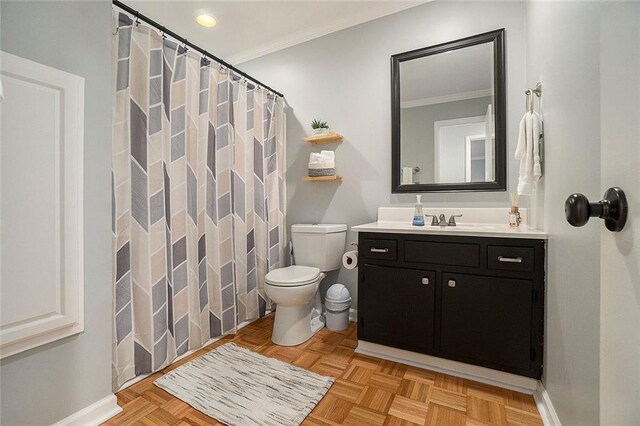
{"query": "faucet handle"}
pixel 434 221
pixel 452 219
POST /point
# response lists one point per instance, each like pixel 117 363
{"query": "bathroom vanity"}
pixel 473 293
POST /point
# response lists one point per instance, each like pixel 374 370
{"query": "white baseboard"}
pixel 453 368
pixel 353 315
pixel 95 414
pixel 545 407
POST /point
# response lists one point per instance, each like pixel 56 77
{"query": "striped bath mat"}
pixel 237 386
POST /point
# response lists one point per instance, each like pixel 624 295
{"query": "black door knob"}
pixel 578 210
pixel 613 208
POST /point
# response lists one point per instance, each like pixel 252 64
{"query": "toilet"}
pixel 316 249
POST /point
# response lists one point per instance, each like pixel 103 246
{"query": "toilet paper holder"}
pixel 350 257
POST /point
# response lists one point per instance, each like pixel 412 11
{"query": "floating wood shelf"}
pixel 322 179
pixel 327 138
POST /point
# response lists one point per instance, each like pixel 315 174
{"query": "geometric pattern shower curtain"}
pixel 198 199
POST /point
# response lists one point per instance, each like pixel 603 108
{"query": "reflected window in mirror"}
pixel 448 116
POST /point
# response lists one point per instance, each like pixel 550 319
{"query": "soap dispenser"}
pixel 418 217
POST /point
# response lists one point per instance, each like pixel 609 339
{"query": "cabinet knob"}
pixel 451 283
pixel 425 281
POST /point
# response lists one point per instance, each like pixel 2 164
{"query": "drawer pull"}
pixel 425 281
pixel 451 283
pixel 510 259
pixel 379 250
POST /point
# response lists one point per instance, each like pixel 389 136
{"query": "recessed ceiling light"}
pixel 206 20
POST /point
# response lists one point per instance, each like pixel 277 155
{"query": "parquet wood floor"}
pixel 367 391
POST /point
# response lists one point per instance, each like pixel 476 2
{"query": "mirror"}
pixel 449 116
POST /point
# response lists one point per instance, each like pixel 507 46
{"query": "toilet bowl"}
pixel 294 290
pixel 317 248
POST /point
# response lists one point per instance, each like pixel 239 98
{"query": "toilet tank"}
pixel 319 245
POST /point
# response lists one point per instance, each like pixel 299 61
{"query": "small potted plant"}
pixel 319 127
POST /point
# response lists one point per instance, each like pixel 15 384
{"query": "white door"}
pixel 41 261
pixel 620 252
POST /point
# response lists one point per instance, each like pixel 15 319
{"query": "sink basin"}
pixel 471 226
pixel 465 226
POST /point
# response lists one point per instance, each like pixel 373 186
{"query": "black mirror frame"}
pixel 500 184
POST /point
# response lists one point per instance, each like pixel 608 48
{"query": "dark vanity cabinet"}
pixel 390 290
pixel 478 300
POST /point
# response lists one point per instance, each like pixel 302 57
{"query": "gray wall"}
pixel 620 263
pixel 48 383
pixel 417 133
pixel 344 78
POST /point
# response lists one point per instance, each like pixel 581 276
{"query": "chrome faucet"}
pixel 434 220
pixel 442 219
pixel 452 219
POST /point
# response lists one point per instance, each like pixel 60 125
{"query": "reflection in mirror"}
pixel 445 117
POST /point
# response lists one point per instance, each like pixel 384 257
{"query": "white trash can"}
pixel 337 304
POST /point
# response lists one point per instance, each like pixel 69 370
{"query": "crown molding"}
pixel 446 98
pixel 326 28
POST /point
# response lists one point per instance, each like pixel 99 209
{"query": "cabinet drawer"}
pixel 456 254
pixel 379 249
pixel 510 258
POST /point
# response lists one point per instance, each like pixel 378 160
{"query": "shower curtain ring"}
pixel 137 20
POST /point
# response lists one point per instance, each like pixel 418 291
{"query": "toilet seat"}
pixel 292 276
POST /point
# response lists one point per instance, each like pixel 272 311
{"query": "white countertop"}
pixel 485 224
pixel 462 229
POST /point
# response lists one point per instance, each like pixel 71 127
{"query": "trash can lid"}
pixel 338 293
pixel 337 306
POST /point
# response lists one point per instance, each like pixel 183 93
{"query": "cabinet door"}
pixel 487 320
pixel 396 307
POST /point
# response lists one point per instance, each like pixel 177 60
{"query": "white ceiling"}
pixel 249 29
pixel 462 71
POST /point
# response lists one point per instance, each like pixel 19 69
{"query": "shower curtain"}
pixel 198 199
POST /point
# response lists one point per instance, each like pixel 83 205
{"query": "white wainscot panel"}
pixel 41 269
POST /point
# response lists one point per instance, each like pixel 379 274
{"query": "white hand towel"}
pixel 327 165
pixel 328 156
pixel 528 152
pixel 323 157
pixel 315 157
pixel 407 175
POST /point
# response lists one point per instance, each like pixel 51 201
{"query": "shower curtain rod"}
pixel 165 30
